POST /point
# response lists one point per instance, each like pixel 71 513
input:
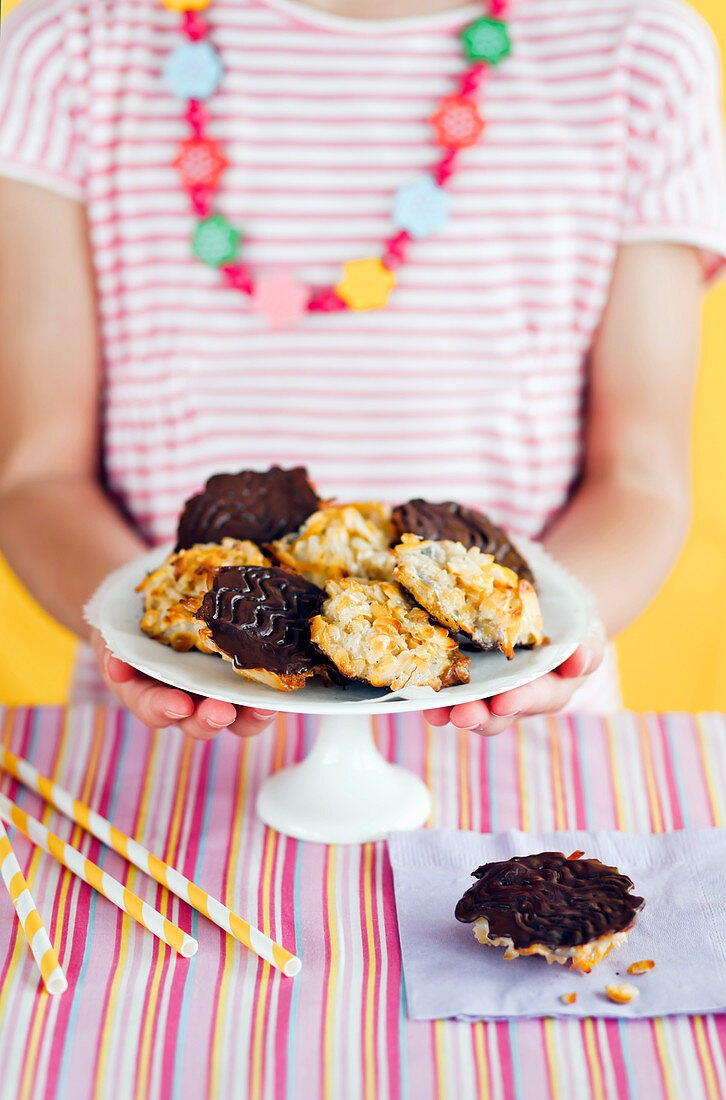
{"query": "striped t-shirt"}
pixel 603 126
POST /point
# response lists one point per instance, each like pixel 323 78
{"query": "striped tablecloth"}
pixel 139 1022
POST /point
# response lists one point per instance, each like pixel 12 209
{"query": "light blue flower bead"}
pixel 421 207
pixel 193 71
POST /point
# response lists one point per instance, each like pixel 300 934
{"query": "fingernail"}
pixel 263 715
pixel 175 714
pixel 509 714
pixel 216 725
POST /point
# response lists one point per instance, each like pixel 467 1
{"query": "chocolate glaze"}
pixel 452 521
pixel 248 505
pixel 259 615
pixel 549 899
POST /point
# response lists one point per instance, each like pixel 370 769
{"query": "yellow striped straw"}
pixel 98 879
pixel 29 917
pixel 150 864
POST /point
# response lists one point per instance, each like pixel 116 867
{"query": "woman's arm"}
pixel 58 530
pixel 624 526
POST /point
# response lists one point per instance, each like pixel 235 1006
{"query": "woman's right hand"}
pixel 158 705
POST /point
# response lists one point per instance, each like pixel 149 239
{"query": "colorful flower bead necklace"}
pixel 193 73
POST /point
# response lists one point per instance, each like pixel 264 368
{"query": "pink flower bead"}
pixel 498 7
pixel 280 298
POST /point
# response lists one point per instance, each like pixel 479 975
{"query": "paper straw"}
pixel 151 865
pixel 29 917
pixel 98 879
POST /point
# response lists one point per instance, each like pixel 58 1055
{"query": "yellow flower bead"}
pixel 366 285
pixel 186 5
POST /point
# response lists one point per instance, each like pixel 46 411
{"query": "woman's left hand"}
pixel 543 696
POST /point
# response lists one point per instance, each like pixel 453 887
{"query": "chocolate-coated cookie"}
pixel 253 505
pixel 550 900
pixel 455 523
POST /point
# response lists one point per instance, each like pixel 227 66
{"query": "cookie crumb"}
pixel 641 967
pixel 622 993
pixel 568 998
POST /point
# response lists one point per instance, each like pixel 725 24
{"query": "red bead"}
pixel 196 117
pixel 445 168
pixel 325 301
pixel 195 27
pixel 201 201
pixel 498 8
pixel 473 78
pixel 396 250
pixel 457 122
pixel 238 276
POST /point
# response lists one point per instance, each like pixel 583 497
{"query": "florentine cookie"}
pixel 256 617
pixel 173 593
pixel 253 505
pixel 566 909
pixel 345 540
pixel 372 631
pixel 468 592
pixel 453 522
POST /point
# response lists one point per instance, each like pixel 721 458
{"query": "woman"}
pixel 536 357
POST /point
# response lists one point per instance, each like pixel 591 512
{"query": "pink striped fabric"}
pixel 139 1023
pixel 603 126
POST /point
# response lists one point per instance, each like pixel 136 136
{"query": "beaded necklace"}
pixel 420 208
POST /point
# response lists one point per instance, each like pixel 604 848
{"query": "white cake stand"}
pixel 345 792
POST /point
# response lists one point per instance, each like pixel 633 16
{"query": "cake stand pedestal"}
pixel 344 792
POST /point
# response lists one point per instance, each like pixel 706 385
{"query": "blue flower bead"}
pixel 193 71
pixel 421 207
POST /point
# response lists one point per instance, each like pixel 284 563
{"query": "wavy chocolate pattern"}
pixel 258 615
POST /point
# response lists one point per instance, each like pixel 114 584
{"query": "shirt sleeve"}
pixel 676 171
pixel 39 140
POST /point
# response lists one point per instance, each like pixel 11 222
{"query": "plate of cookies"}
pixel 273 597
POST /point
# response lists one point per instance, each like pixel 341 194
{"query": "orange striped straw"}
pixel 151 865
pixel 29 917
pixel 97 878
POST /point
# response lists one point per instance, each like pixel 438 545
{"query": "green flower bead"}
pixel 487 40
pixel 215 241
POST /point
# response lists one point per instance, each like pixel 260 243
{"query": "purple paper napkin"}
pixel 681 875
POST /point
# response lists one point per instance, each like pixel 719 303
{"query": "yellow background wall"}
pixel 673 658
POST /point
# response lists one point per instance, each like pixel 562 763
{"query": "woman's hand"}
pixel 543 696
pixel 158 705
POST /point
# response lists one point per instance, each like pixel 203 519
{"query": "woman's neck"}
pixel 383 9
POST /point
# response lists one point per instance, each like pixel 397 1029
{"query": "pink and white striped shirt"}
pixel 603 126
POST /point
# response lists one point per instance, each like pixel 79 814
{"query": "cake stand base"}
pixel 344 792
